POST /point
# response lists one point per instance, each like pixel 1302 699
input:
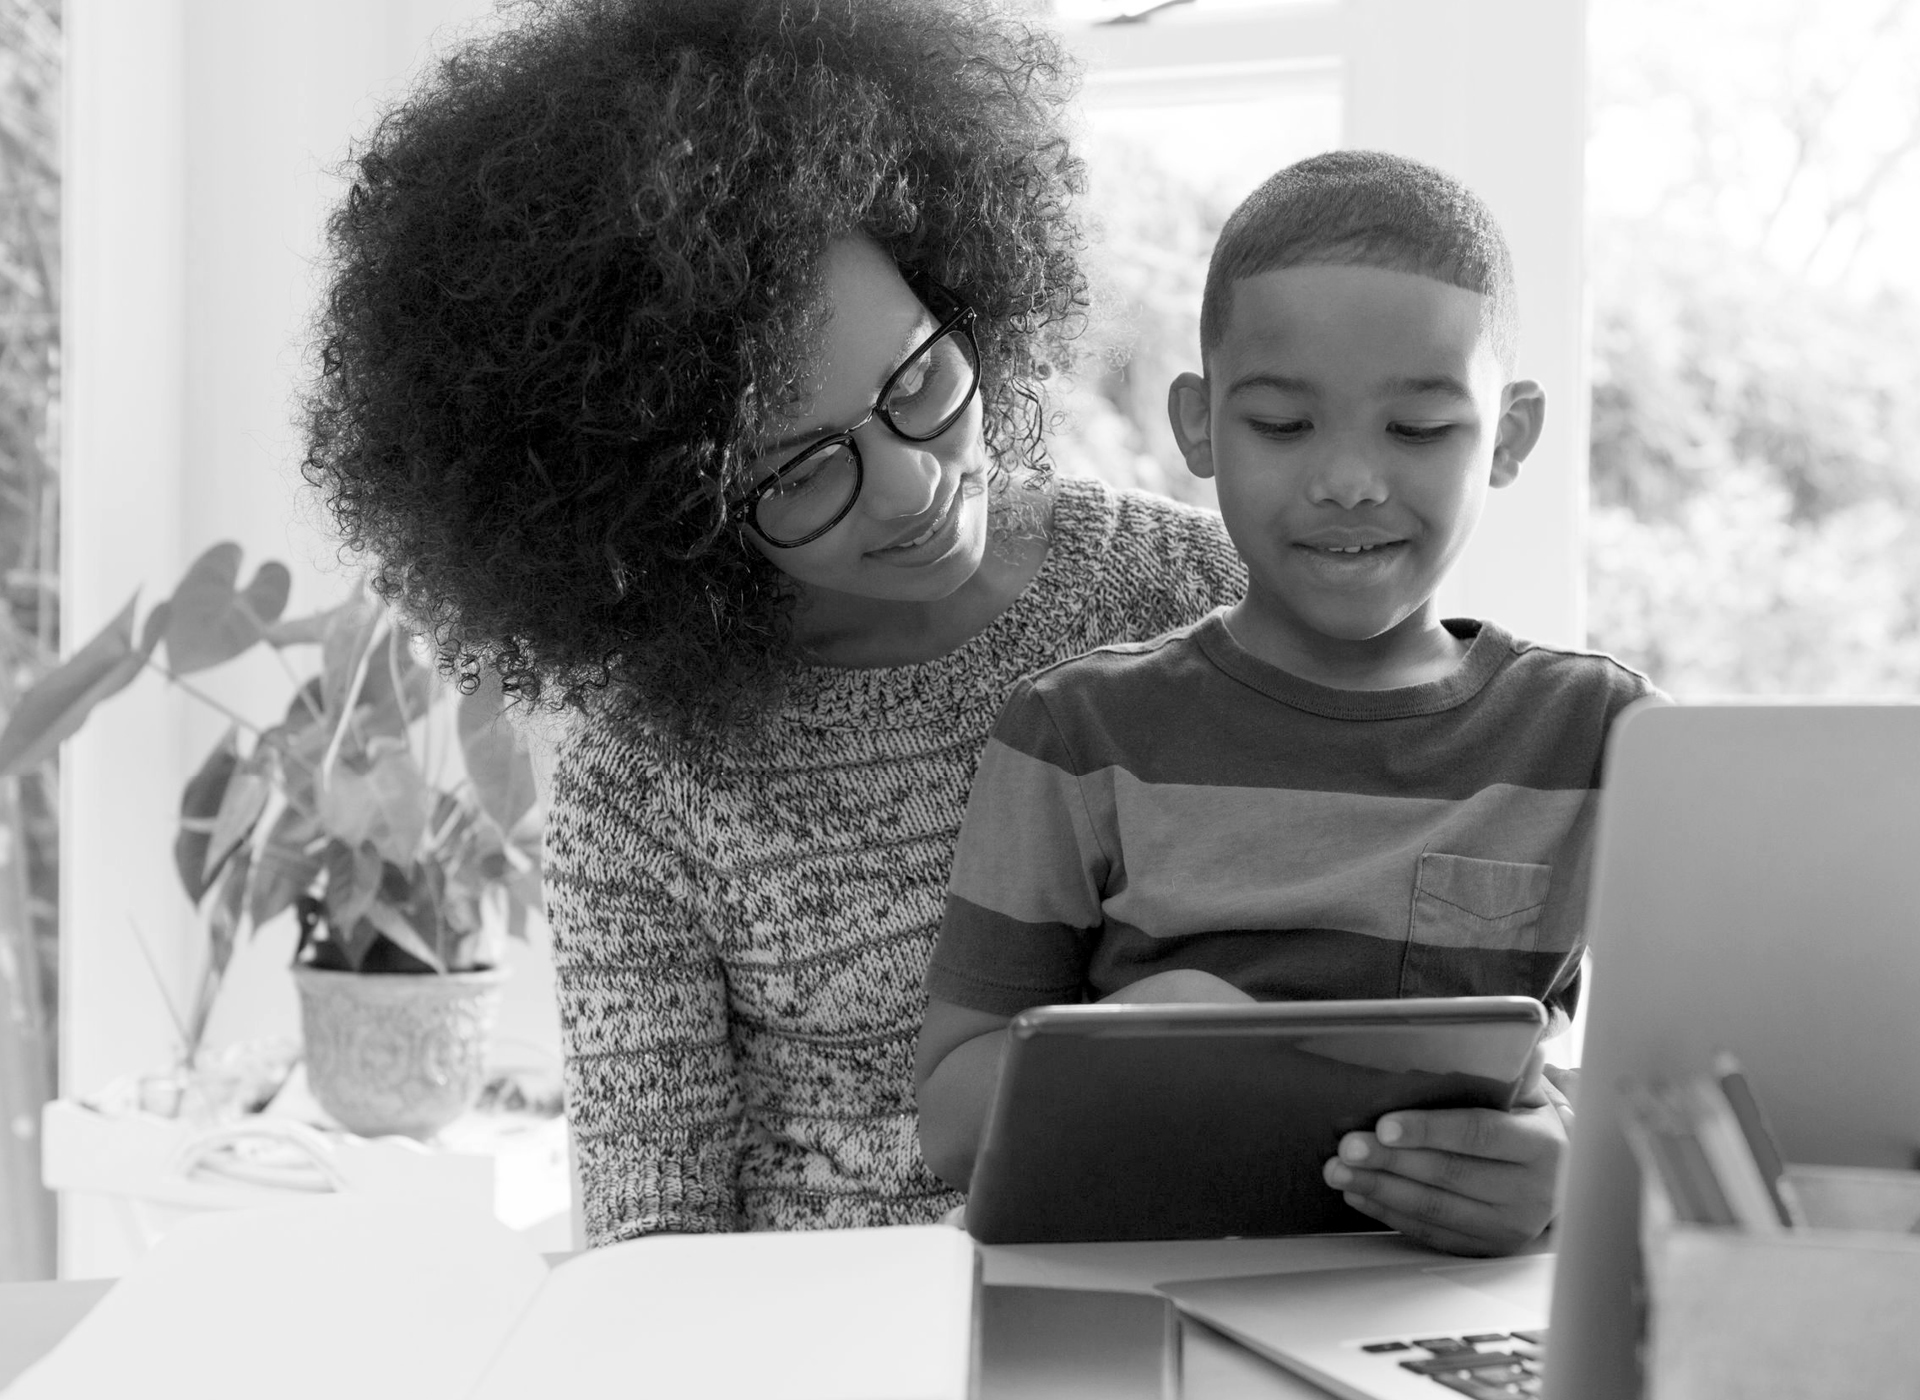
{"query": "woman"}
pixel 681 362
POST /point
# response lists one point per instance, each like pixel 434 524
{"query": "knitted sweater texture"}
pixel 741 931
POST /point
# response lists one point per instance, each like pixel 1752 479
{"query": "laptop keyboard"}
pixel 1484 1365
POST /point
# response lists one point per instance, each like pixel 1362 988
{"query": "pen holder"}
pixel 1826 1311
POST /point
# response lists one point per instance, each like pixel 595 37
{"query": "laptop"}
pixel 1753 891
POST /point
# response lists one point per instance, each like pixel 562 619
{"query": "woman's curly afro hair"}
pixel 580 264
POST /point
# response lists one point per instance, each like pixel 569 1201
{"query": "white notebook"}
pixel 344 1298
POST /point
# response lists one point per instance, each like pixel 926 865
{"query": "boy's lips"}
pixel 1350 564
pixel 1348 541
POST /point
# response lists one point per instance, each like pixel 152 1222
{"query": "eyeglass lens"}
pixel 922 399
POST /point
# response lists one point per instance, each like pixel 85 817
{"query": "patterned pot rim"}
pixel 472 977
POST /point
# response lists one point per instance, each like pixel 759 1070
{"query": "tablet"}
pixel 1161 1122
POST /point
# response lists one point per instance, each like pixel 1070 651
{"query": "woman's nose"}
pixel 902 478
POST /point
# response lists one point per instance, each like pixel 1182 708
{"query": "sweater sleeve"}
pixel 652 1091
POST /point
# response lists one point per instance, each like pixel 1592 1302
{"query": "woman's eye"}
pixel 927 377
pixel 1280 429
pixel 1419 432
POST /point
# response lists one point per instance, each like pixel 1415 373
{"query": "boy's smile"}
pixel 1353 419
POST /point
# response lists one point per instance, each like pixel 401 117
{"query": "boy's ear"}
pixel 1523 413
pixel 1190 412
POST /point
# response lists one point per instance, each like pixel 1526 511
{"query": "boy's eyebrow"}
pixel 1444 384
pixel 1285 383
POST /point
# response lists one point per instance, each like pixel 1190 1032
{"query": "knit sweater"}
pixel 741 931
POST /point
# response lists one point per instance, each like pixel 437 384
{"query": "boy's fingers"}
pixel 1452 1241
pixel 1435 1208
pixel 1472 1132
pixel 1495 1183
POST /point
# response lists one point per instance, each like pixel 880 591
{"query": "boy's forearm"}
pixel 953 1106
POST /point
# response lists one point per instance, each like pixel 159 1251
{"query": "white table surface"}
pixel 34 1316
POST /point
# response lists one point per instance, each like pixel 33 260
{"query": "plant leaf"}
pixel 383 801
pixel 312 629
pixel 199 808
pixel 392 923
pixel 385 708
pixel 289 864
pixel 350 631
pixel 224 919
pixel 496 756
pixel 60 701
pixel 155 630
pixel 210 622
pixel 245 798
pixel 356 943
pixel 353 882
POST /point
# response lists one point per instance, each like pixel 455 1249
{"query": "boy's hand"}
pixel 1465 1180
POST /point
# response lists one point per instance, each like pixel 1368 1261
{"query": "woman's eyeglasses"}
pixel 806 495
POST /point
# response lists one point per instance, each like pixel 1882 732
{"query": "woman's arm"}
pixel 652 1090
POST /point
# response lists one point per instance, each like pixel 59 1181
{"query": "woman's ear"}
pixel 1190 412
pixel 1523 413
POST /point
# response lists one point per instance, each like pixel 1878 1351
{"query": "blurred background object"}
pixel 30 71
pixel 1754 195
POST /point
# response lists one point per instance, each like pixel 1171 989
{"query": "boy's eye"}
pixel 1280 429
pixel 1419 432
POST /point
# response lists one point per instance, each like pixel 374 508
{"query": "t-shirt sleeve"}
pixel 653 1093
pixel 1029 870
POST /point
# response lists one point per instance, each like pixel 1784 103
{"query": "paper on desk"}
pixel 331 1298
pixel 345 1298
pixel 877 1314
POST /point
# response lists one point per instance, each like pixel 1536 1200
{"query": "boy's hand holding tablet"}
pixel 1325 791
pixel 1466 1180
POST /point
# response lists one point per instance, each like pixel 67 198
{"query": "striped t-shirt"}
pixel 1180 803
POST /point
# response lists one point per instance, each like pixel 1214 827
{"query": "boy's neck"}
pixel 1416 651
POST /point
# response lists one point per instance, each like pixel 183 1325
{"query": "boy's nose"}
pixel 1346 478
pixel 902 478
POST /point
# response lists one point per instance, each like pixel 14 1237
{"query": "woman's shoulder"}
pixel 609 757
pixel 1149 563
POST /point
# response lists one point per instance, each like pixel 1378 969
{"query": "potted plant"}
pixel 393 815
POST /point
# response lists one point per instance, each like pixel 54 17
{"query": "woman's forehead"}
pixel 873 321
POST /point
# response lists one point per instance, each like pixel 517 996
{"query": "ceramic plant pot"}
pixel 396 1052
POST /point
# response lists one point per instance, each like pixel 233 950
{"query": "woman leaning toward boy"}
pixel 682 361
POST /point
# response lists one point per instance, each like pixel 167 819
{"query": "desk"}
pixel 34 1316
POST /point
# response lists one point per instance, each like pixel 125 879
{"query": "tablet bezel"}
pixel 1034 1182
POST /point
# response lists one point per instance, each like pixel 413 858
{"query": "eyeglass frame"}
pixel 746 508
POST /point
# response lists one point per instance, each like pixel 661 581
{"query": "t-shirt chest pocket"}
pixel 1470 918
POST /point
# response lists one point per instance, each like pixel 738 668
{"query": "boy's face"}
pixel 1353 419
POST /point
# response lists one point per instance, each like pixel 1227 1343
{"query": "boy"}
pixel 1323 791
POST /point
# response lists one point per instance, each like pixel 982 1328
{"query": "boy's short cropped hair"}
pixel 1365 209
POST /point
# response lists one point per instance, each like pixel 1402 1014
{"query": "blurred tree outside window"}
pixel 1754 182
pixel 30 68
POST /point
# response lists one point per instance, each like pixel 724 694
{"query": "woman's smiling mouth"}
pixel 933 529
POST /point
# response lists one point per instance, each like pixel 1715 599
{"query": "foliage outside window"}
pixel 1754 180
pixel 30 66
